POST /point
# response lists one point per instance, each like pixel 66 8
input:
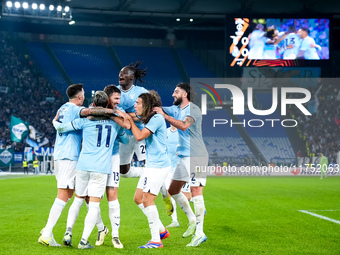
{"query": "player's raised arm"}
pixel 180 124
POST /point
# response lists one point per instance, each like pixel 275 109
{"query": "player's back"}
pixel 67 145
pixel 294 40
pixel 98 142
pixel 310 52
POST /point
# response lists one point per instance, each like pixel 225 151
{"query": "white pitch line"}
pixel 320 216
pixel 324 210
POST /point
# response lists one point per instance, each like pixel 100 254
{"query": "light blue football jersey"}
pixel 67 145
pixel 191 142
pixel 156 149
pixel 122 138
pixel 128 100
pixel 172 142
pixel 98 141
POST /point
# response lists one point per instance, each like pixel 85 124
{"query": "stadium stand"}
pixel 87 64
pixel 223 140
pixel 30 96
pixel 45 63
pixel 272 141
pixel 321 130
pixel 193 66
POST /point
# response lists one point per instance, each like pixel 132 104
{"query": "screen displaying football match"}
pixel 277 41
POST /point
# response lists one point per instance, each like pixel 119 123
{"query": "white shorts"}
pixel 113 178
pixel 186 187
pixel 152 179
pixel 167 182
pixel 197 182
pixel 90 184
pixel 168 179
pixel 186 169
pixel 65 173
pixel 126 151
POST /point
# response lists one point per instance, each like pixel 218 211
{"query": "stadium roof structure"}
pixel 177 14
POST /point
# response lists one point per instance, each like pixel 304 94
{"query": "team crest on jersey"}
pixel 132 96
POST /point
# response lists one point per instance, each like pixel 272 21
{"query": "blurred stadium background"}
pixel 43 51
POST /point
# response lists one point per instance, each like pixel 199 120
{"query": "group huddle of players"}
pixel 292 44
pixel 94 148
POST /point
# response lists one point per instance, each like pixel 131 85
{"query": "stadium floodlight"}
pixel 67 9
pixel 42 7
pixel 71 22
pixel 25 5
pixel 178 19
pixel 17 5
pixel 51 8
pixel 191 20
pixel 34 6
pixel 59 8
pixel 9 4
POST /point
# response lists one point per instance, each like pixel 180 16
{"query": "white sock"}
pixel 141 206
pixel 153 218
pixel 90 220
pixel 163 191
pixel 114 214
pixel 73 213
pixel 133 172
pixel 99 221
pixel 56 209
pixel 199 212
pixel 174 214
pixel 183 202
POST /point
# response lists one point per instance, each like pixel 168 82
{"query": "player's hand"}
pixel 289 46
pixel 122 114
pixel 56 117
pixel 158 110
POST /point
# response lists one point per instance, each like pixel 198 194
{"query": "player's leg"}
pixel 65 175
pixel 72 216
pixel 126 152
pixel 196 185
pixel 96 189
pixel 169 207
pixel 198 200
pixel 185 191
pixel 180 177
pixel 153 180
pixel 112 197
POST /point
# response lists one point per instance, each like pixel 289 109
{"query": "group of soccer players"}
pixel 94 147
pixel 292 44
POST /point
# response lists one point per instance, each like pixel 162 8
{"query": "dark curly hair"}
pixel 150 100
pixel 137 72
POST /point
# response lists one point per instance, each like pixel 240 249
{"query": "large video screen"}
pixel 277 41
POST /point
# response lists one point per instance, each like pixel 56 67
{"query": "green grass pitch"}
pixel 254 215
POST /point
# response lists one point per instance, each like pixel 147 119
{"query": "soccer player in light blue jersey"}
pixel 170 203
pixel 157 164
pixel 66 153
pixel 112 185
pixel 94 162
pixel 130 92
pixel 187 117
pixel 308 46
